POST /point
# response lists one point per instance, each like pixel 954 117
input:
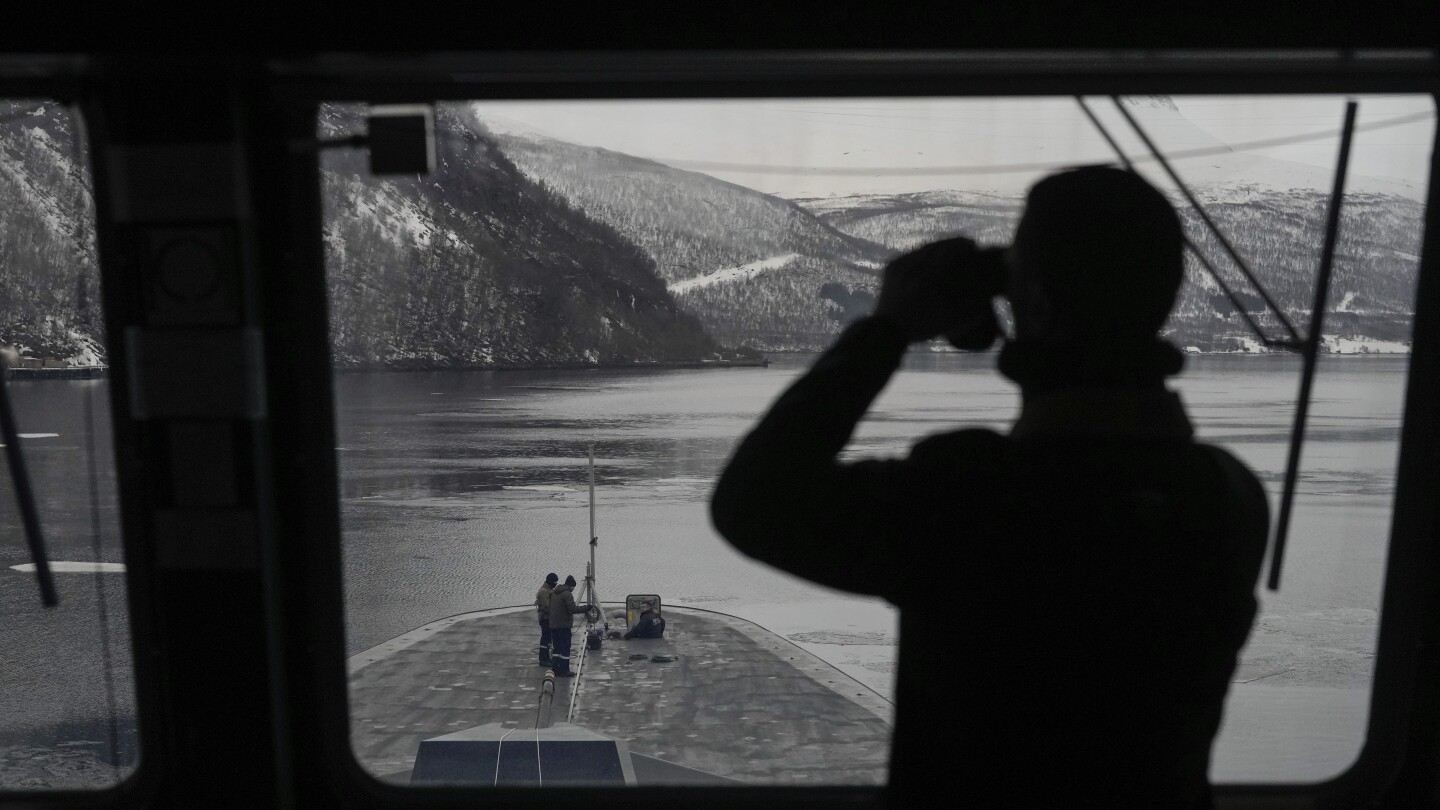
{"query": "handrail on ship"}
pixel 547 697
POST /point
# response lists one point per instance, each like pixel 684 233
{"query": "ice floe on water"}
pixel 839 637
pixel 541 488
pixel 35 436
pixel 71 567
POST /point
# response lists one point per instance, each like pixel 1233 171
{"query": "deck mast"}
pixel 593 538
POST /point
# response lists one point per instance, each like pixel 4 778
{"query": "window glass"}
pixel 636 281
pixel 67 709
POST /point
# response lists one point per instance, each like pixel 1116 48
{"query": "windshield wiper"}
pixel 24 495
pixel 1309 346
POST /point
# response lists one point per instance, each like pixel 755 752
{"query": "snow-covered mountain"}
pixel 523 249
pixel 752 271
pixel 1272 210
pixel 1278 232
pixel 477 266
pixel 754 268
pixel 474 265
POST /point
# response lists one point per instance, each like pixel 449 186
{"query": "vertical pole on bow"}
pixel 593 539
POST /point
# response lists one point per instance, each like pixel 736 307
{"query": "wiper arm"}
pixel 29 515
pixel 1311 347
pixel 1199 209
pixel 1235 301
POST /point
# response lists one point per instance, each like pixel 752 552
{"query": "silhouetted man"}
pixel 1100 564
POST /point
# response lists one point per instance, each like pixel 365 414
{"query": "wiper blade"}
pixel 24 495
pixel 1311 348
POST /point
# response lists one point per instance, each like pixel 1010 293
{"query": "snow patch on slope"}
pixel 1341 344
pixel 744 271
pixel 398 217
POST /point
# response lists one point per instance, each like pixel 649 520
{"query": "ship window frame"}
pixel 306 566
pixel 60 80
pixel 739 75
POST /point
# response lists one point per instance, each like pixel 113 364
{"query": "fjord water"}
pixel 460 490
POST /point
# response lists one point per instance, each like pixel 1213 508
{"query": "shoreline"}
pixel 67 373
pixel 102 372
pixel 558 366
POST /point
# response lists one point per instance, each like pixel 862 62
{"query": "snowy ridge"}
pixel 1232 176
pixel 505 125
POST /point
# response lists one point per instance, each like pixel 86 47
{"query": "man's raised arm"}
pixel 784 498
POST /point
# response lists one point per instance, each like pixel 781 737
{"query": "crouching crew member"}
pixel 542 609
pixel 649 624
pixel 562 618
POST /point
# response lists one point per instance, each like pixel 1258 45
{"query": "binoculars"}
pixel 992 270
pixel 975 326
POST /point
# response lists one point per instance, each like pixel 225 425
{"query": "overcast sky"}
pixel 805 147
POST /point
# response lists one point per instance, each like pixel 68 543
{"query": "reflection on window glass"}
pixel 640 280
pixel 67 706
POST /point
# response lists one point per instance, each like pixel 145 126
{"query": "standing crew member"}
pixel 1103 560
pixel 542 610
pixel 562 618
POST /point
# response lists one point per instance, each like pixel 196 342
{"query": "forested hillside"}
pixel 475 265
pixel 50 306
pixel 751 266
pixel 1280 234
pixel 472 266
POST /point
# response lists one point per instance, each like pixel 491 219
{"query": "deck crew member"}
pixel 648 624
pixel 563 611
pixel 1103 561
pixel 542 611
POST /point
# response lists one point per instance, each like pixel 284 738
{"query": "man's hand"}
pixel 940 289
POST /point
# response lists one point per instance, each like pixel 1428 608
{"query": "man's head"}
pixel 1098 257
pixel 646 605
pixel 551 579
pixel 570 581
